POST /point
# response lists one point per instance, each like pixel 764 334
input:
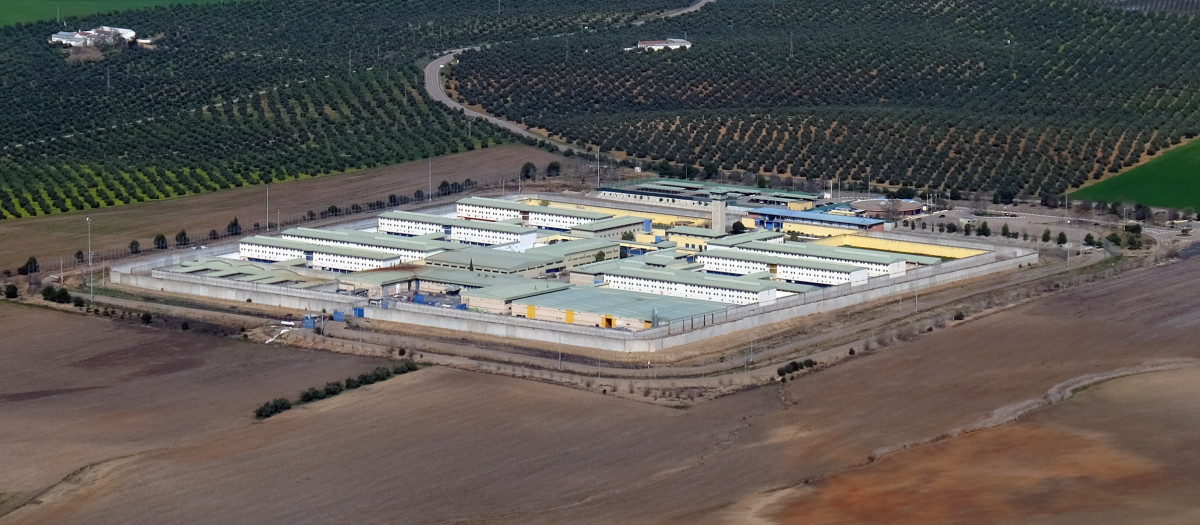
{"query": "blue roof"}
pixel 820 217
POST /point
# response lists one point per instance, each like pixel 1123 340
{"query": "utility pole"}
pixel 268 186
pixel 430 196
pixel 597 168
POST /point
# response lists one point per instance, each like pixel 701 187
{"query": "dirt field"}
pixel 54 236
pixel 446 445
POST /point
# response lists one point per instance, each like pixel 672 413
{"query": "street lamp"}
pixel 91 282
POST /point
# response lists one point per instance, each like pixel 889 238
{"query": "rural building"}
pixel 670 43
pixel 480 233
pixel 103 35
pixel 541 217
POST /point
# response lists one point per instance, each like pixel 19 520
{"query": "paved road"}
pixel 436 91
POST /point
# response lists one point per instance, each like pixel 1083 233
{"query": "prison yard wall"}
pixel 673 333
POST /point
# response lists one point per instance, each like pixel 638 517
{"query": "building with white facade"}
pixel 690 285
pixel 103 35
pixel 542 217
pixel 613 228
pixel 480 233
pixel 735 262
pixel 876 262
pixel 408 248
pixel 670 43
pixel 319 257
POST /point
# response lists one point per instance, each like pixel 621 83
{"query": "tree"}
pixel 79 256
pixel 1062 238
pixel 1046 235
pixel 160 242
pixel 906 192
pixel 181 238
pixel 553 169
pixel 30 266
pixel 528 171
pixel 146 318
pixel 1004 231
pixel 628 236
pixel 761 181
pixel 951 227
pixel 738 227
pixel 135 247
pixel 213 235
pixel 234 228
pixel 967 229
pixel 48 293
pixel 62 296
pixel 600 256
pixel 1088 240
pixel 984 230
pixel 10 291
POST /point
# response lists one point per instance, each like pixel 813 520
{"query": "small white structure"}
pixel 103 35
pixel 670 43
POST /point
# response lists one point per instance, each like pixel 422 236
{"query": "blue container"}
pixel 418 298
pixel 461 306
pixel 339 316
pixel 358 312
pixel 309 323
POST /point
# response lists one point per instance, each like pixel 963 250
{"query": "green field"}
pixel 1171 180
pixel 16 11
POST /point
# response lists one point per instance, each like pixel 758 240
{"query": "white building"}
pixel 876 262
pixel 543 217
pixel 407 249
pixel 670 43
pixel 691 285
pixel 732 262
pixel 480 233
pixel 318 257
pixel 103 35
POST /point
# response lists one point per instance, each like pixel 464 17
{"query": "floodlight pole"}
pixel 91 282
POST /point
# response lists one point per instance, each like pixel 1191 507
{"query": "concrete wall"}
pixel 675 333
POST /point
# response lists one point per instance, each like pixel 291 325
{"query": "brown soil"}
pixel 451 445
pixel 53 236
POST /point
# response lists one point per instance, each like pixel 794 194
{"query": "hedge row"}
pixel 334 388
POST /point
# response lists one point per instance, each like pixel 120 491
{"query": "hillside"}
pixel 244 93
pixel 1025 98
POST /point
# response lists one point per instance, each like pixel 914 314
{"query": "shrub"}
pixel 146 318
pixel 851 351
pixel 782 371
pixel 366 379
pixel 48 293
pixel 10 292
pixel 809 363
pixel 311 395
pixel 62 296
pixel 351 383
pixel 958 316
pixel 333 389
pixel 78 301
pixel 271 408
pixel 184 326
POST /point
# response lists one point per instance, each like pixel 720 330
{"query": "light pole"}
pixel 91 282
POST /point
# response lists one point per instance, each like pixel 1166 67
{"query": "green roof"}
pixel 502 261
pixel 692 278
pixel 562 249
pixel 741 238
pixel 263 273
pixel 455 222
pixel 319 248
pixel 623 304
pixel 608 224
pixel 520 206
pixel 739 255
pixel 513 291
pixel 833 252
pixel 374 239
